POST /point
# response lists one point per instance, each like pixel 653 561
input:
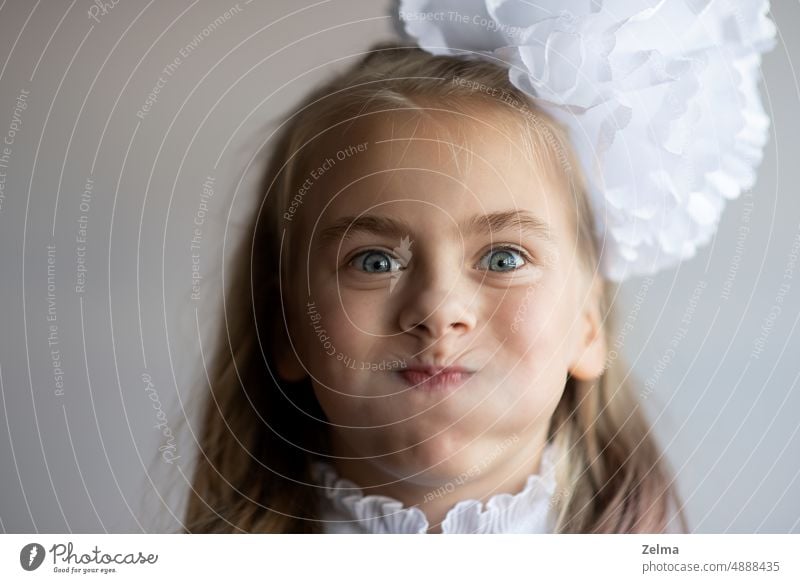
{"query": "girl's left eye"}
pixel 375 261
pixel 503 259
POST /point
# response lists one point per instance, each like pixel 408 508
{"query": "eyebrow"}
pixel 487 224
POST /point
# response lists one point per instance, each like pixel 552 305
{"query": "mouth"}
pixel 429 378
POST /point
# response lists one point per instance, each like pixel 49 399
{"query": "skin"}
pixel 521 319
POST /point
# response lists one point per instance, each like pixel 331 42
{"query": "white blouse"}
pixel 345 509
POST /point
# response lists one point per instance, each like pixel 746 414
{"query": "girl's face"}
pixel 424 245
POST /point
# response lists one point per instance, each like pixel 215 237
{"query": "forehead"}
pixel 436 167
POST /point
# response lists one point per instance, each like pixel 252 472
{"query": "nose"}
pixel 438 305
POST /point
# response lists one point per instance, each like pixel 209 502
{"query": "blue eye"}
pixel 374 261
pixel 503 259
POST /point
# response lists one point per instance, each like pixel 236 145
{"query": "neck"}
pixel 506 475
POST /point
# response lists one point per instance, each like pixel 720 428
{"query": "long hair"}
pixel 259 433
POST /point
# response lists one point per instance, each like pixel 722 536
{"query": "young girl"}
pixel 418 335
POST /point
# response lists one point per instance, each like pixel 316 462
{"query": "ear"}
pixel 590 351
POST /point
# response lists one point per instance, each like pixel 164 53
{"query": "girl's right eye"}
pixel 375 261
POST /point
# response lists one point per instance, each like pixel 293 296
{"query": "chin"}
pixel 441 459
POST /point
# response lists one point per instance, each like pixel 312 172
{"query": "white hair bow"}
pixel 660 98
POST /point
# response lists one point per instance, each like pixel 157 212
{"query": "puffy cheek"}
pixel 535 351
pixel 536 402
pixel 342 408
pixel 332 342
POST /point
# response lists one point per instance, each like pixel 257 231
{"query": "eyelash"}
pixel 525 256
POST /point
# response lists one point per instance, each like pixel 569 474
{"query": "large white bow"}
pixel 660 98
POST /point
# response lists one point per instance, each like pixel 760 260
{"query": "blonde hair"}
pixel 252 473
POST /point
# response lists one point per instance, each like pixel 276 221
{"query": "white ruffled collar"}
pixel 345 509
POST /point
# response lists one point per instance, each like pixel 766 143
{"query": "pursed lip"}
pixel 432 370
pixel 428 377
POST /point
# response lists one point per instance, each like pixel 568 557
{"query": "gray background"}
pixel 88 460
